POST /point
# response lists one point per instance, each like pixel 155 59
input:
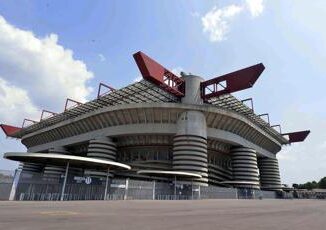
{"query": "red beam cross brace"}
pixel 9 130
pixel 231 82
pixel 159 75
pixel 109 89
pixel 297 136
pixel 75 104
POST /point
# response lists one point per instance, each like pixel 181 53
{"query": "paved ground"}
pixel 174 215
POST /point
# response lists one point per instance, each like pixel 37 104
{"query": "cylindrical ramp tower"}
pixel 30 167
pixel 190 145
pixel 245 170
pixel 101 148
pixel 269 174
pixel 54 172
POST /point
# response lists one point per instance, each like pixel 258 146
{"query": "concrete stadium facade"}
pixel 147 128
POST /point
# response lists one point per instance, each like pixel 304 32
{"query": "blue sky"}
pixel 93 41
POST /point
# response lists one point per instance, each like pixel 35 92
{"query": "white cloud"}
pixel 15 103
pixel 256 7
pixel 216 22
pixel 35 73
pixel 102 57
pixel 44 69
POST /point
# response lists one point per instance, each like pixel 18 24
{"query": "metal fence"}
pixel 35 187
pixel 6 179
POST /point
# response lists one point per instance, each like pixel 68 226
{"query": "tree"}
pixel 322 183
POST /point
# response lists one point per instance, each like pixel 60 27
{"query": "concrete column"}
pixel 30 167
pixel 192 89
pixel 190 145
pixel 54 172
pixel 101 148
pixel 245 170
pixel 269 174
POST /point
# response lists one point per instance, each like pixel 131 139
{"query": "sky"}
pixel 53 50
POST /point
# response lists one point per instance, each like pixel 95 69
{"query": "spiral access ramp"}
pixel 245 170
pixel 190 155
pixel 103 148
pixel 53 172
pixel 269 174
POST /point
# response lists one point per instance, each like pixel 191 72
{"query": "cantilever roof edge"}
pixel 9 130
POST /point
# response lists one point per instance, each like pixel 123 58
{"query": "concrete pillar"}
pixel 190 141
pixel 190 145
pixel 245 170
pixel 192 89
pixel 30 167
pixel 101 148
pixel 269 174
pixel 54 172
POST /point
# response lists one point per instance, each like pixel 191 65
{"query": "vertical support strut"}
pixel 106 184
pixel 64 182
pixel 175 187
pixel 126 189
pixel 154 185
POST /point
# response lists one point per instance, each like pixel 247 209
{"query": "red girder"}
pixel 28 120
pixel 71 100
pixel 297 136
pixel 159 75
pixel 235 81
pixel 48 112
pixel 9 130
pixel 110 89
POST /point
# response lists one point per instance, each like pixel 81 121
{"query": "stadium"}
pixel 164 137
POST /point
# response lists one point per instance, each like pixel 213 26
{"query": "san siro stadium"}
pixel 164 137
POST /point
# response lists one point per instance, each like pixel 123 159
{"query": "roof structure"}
pixel 161 85
pixel 60 159
pixel 144 92
pixel 228 101
pixel 139 92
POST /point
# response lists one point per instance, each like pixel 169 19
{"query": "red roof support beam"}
pixel 76 103
pixel 231 82
pixel 159 75
pixel 46 112
pixel 28 120
pixel 279 126
pixel 9 130
pixel 265 115
pixel 297 136
pixel 251 103
pixel 110 89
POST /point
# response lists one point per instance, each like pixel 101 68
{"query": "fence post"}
pixel 64 182
pixel 199 195
pixel 126 189
pixel 154 189
pixel 14 185
pixel 106 184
